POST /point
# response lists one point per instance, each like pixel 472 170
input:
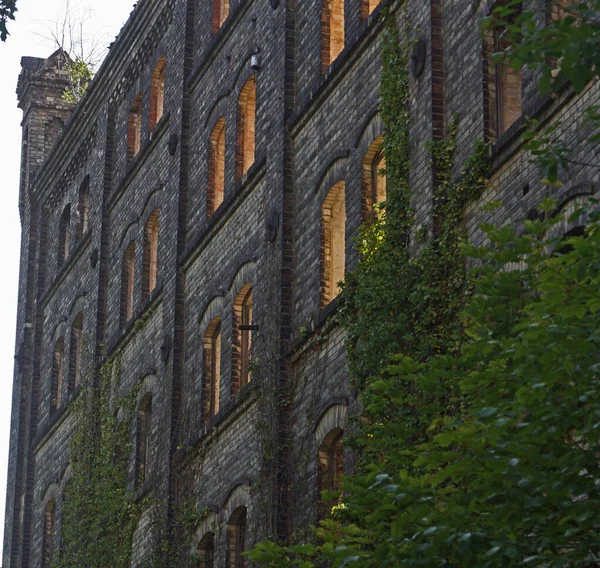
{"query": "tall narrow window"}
pixel 246 126
pixel 211 370
pixel 333 242
pixel 48 535
pixel 150 255
pixel 374 177
pixel 236 538
pixel 503 104
pixel 144 435
pixel 332 31
pixel 330 469
pixel 127 283
pixel 134 129
pixel 82 208
pixel 57 374
pixel 220 11
pixel 64 235
pixel 157 93
pixel 75 351
pixel 216 167
pixel 242 339
pixel 206 551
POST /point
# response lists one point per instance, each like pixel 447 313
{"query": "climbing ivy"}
pixel 99 516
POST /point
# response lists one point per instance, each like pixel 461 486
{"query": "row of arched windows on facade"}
pixel 240 354
pixel 59 390
pixel 81 224
pixel 333 219
pixel 149 268
pixel 156 109
pixel 245 146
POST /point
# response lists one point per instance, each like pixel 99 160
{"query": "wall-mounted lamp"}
pixel 255 62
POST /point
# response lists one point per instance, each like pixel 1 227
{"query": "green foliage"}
pixel 80 75
pixel 99 516
pixel 564 50
pixel 7 12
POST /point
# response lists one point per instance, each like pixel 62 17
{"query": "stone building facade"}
pixel 195 211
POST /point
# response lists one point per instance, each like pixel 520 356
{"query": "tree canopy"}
pixel 7 12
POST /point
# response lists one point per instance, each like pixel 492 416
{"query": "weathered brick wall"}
pixel 313 129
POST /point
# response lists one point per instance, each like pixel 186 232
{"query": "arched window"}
pixel 367 7
pixel 246 125
pixel 157 92
pixel 127 283
pixel 206 551
pixel 242 339
pixel 236 538
pixel 82 208
pixel 143 445
pixel 332 31
pixel 330 469
pixel 333 242
pixel 149 268
pixel 48 535
pixel 75 351
pixel 216 167
pixel 220 11
pixel 64 234
pixel 57 374
pixel 211 370
pixel 374 177
pixel 134 129
pixel 502 92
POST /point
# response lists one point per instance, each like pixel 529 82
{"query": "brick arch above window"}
pixel 332 417
pixel 335 171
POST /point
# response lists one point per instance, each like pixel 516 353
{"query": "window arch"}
pixel 220 12
pixel 211 384
pixel 48 534
pixel 242 339
pixel 127 283
pixel 333 242
pixel 206 551
pixel 246 128
pixel 216 167
pixel 82 208
pixel 64 234
pixel 134 128
pixel 236 538
pixel 332 31
pixel 150 266
pixel 374 181
pixel 57 374
pixel 330 469
pixel 75 352
pixel 157 92
pixel 143 441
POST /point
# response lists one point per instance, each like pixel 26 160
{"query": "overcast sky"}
pixel 34 17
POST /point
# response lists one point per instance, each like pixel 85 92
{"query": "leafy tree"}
pixel 7 12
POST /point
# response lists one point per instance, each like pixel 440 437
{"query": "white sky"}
pixel 33 18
